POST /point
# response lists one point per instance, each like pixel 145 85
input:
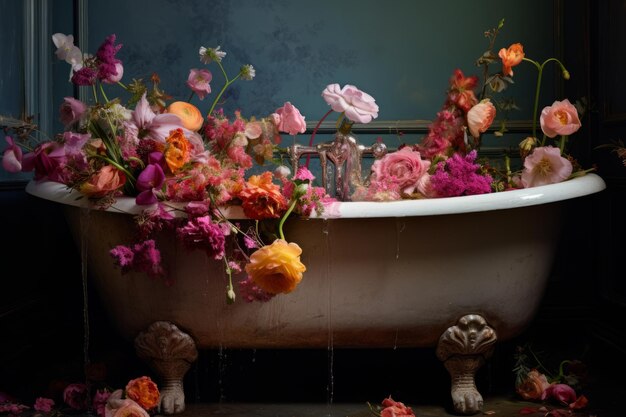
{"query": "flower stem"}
pixel 226 84
pixel 308 158
pixel 282 221
pixel 103 93
pixel 230 293
pixel 539 75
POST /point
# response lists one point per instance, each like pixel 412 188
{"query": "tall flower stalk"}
pixel 540 68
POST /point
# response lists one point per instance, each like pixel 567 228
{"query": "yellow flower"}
pixel 276 268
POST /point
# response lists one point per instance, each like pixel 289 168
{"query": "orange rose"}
pixel 189 114
pixel 144 392
pixel 176 150
pixel 261 199
pixel 511 57
pixel 276 268
pixel 533 385
pixel 103 182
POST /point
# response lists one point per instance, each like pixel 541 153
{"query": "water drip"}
pixel 330 347
pixel 85 215
pixel 400 226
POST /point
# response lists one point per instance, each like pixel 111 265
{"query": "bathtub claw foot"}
pixel 169 352
pixel 463 348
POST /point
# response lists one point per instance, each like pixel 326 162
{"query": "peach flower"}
pixel 118 407
pixel 276 268
pixel 103 182
pixel 545 165
pixel 511 57
pixel 559 119
pixel 177 150
pixel 189 114
pixel 480 117
pixel 144 392
pixel 533 386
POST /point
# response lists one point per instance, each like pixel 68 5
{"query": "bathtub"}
pixel 456 274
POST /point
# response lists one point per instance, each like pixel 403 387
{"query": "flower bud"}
pixel 230 296
pixel 527 145
pixel 565 74
pixel 282 171
pixel 301 189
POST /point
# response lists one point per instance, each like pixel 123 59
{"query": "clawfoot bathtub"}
pixel 456 274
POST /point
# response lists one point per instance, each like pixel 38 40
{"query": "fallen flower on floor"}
pixel 391 408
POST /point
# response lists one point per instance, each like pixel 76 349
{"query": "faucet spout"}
pixel 345 154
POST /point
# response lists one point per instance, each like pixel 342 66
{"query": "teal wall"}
pixel 400 51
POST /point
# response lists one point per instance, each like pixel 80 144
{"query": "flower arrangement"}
pixel 535 382
pixel 140 398
pixel 183 165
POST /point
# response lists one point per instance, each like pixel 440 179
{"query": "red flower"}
pixel 395 409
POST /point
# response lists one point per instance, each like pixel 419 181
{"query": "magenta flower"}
pixel 76 396
pixel 562 393
pixel 304 174
pixel 291 121
pixel 71 111
pixel 202 233
pixel 85 76
pixel 141 257
pixel 110 69
pixel 559 119
pixel 43 405
pixel 545 165
pixel 99 402
pixel 357 105
pixel 459 175
pixel 149 180
pixel 198 81
pixel 12 156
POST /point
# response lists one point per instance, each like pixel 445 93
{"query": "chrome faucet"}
pixel 345 154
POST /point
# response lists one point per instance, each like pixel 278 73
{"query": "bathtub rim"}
pixel 573 188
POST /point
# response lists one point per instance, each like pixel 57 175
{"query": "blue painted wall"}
pixel 400 51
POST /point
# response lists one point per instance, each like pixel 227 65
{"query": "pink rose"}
pixel 395 409
pixel 71 111
pixel 291 121
pixel 402 168
pixel 559 119
pixel 545 165
pixel 358 106
pixel 75 395
pixel 562 393
pixel 43 405
pixel 198 81
pixel 480 117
